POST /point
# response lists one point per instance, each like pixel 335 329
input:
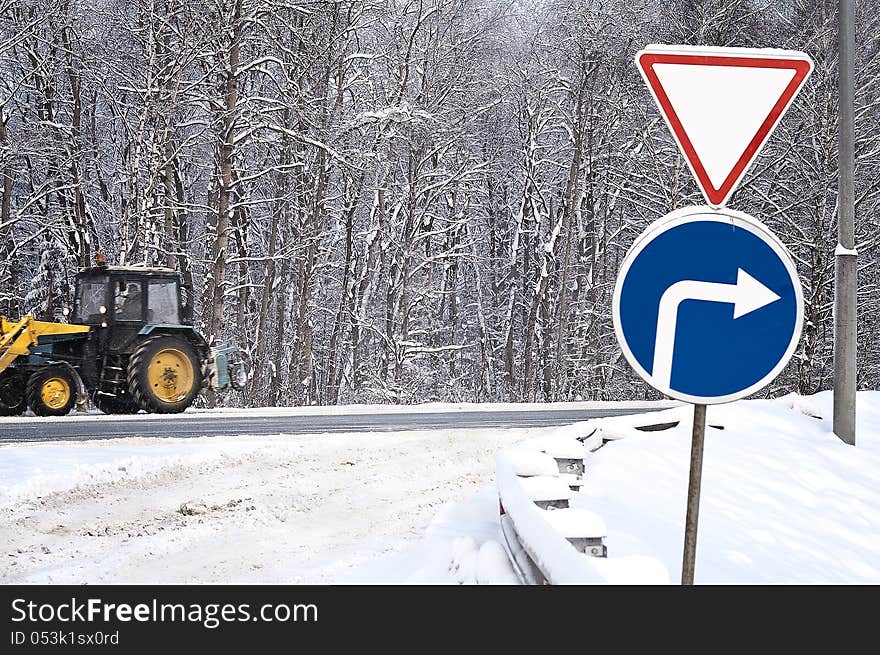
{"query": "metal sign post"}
pixel 846 271
pixel 693 501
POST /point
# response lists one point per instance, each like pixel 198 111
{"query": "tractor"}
pixel 130 345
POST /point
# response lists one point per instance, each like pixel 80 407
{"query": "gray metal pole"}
pixel 689 557
pixel 845 270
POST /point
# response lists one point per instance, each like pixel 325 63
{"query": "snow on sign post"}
pixel 707 307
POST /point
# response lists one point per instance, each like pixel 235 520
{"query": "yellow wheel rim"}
pixel 55 393
pixel 170 375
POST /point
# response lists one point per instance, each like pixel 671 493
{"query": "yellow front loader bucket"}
pixel 17 338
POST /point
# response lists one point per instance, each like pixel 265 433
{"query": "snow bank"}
pixel 493 567
pixel 576 523
pixel 483 564
pixel 550 549
pixel 545 488
pixel 460 546
pixel 783 500
pixel 555 556
pixel 528 462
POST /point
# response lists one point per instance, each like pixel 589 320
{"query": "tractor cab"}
pixel 130 296
pixel 126 303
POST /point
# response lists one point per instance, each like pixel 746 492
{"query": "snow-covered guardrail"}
pixel 547 540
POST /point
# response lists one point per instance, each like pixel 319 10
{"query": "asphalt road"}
pixel 37 429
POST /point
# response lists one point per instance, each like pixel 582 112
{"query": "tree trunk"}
pixel 226 151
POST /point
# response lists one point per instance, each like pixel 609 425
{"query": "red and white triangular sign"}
pixel 721 104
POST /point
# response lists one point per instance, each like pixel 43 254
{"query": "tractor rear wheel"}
pixel 51 391
pixel 164 374
pixel 12 402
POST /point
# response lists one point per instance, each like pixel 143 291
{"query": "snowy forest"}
pixel 404 200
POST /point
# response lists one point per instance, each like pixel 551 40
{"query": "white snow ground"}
pixel 783 501
pixel 285 509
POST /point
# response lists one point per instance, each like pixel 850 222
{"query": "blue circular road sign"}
pixel 707 306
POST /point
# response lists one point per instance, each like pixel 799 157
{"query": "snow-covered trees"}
pixel 401 200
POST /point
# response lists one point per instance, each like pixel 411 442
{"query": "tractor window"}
pixel 128 300
pixel 90 297
pixel 163 303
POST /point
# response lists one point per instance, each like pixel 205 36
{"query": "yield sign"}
pixel 721 104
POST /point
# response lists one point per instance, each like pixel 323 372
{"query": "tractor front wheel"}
pixel 164 374
pixel 51 391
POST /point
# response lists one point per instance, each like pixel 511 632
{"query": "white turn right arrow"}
pixel 746 296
